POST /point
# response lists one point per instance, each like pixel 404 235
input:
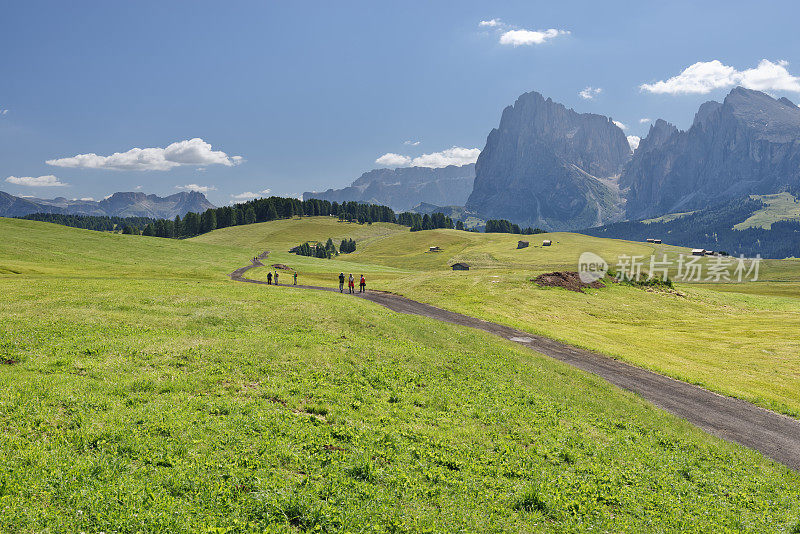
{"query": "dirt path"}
pixel 774 435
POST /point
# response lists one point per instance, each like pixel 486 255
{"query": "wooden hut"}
pixel 522 244
pixel 546 243
pixel 460 267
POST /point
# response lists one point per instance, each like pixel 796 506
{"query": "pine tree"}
pixel 249 215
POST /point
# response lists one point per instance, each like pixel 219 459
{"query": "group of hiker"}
pixel 274 278
pixel 351 283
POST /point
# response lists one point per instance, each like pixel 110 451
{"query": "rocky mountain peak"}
pixel 544 166
pixel 748 144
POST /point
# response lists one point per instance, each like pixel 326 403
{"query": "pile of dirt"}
pixel 281 267
pixel 566 279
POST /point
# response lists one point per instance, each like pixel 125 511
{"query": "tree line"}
pixel 268 209
pixel 92 222
pixel 502 226
pixel 419 222
pixel 318 250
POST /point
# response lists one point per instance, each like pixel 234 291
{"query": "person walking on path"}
pixel 351 284
pixel 276 278
pixel 294 275
pixel 269 278
pixel 341 282
pixel 362 284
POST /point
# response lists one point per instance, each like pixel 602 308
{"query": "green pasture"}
pixel 143 391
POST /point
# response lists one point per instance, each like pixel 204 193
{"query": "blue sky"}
pixel 310 94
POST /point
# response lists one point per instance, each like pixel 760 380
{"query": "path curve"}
pixel 774 435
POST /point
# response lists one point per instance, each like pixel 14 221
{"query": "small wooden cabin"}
pixel 434 249
pixel 698 252
pixel 522 244
pixel 460 267
pixel 657 241
pixel 650 240
pixel 546 243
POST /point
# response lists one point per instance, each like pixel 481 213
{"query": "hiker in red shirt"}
pixel 362 284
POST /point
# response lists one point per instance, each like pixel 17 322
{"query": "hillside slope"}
pixel 160 403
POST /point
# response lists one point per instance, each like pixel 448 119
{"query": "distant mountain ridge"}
pixel 748 144
pixel 551 167
pixel 128 204
pixel 403 188
pixel 765 225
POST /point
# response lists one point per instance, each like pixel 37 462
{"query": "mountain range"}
pixel 403 188
pixel 549 166
pixel 748 144
pixel 131 204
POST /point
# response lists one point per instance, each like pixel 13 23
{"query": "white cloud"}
pixel 3 111
pixel 529 37
pixel 704 77
pixel 490 23
pixel 590 92
pixel 451 156
pixel 198 188
pixel 188 152
pixel 644 120
pixel 390 159
pixel 634 140
pixel 137 187
pixel 249 195
pixel 87 199
pixel 36 181
pixel 411 143
pixel 621 125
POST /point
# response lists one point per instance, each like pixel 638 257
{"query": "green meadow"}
pixel 739 339
pixel 779 207
pixel 143 391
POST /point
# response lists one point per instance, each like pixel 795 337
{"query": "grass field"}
pixel 741 340
pixel 142 391
pixel 779 207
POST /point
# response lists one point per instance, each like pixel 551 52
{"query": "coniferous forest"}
pixel 712 229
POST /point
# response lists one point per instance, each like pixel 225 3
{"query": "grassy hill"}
pixel 721 336
pixel 778 207
pixel 143 391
